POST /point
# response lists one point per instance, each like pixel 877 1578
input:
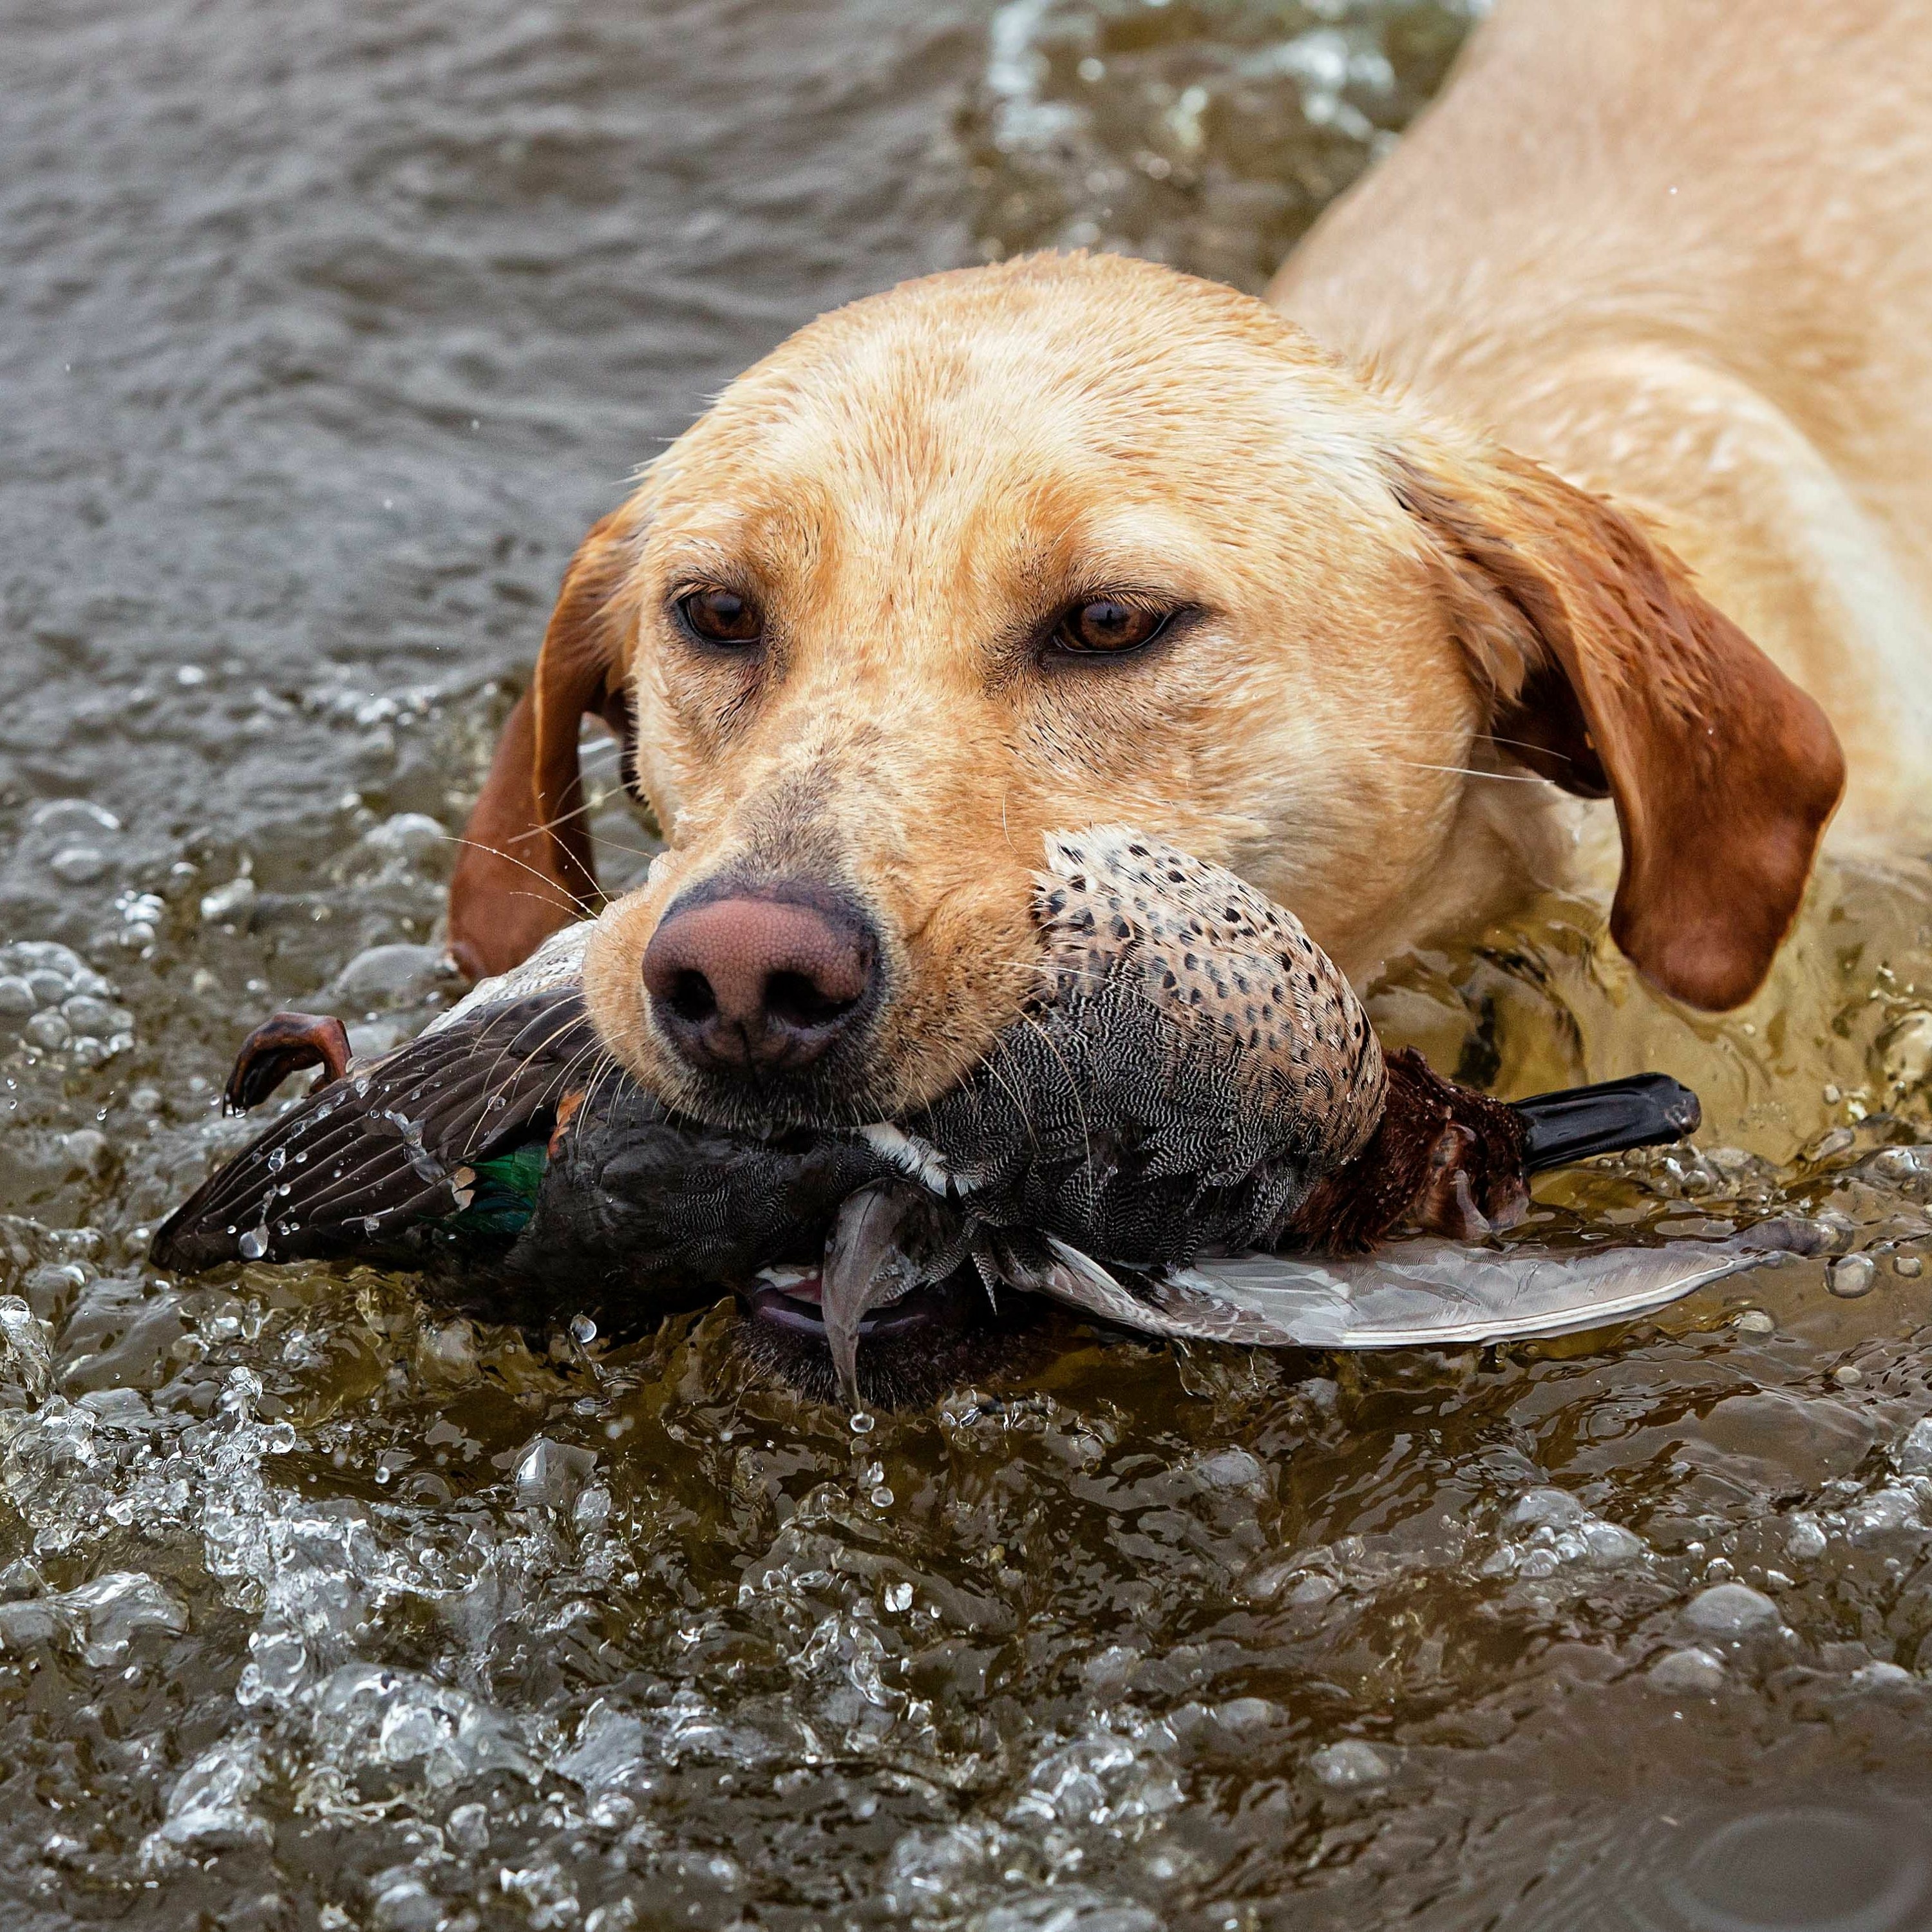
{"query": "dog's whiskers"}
pixel 1470 772
pixel 543 877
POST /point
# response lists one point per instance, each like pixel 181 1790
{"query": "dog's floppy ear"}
pixel 1609 674
pixel 525 870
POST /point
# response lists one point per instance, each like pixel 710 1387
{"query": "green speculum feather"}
pixel 505 1193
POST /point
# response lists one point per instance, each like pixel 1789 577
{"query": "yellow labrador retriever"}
pixel 1589 442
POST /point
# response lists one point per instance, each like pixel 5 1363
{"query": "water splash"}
pixel 1208 133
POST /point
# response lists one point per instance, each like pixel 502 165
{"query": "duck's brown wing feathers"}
pixel 373 1163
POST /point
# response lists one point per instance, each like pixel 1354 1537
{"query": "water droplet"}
pixel 882 1497
pixel 862 1424
pixel 1729 1610
pixel 1695 1672
pixel 583 1330
pixel 1851 1276
pixel 1908 1265
pixel 277 1156
pixel 1349 1764
pixel 254 1244
pixel 1807 1539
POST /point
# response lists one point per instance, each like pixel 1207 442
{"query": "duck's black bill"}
pixel 1646 1110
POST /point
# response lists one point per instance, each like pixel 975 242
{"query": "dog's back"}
pixel 1677 249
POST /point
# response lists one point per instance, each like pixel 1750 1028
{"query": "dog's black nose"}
pixel 760 980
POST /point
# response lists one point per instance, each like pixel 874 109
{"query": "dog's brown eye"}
pixel 1104 624
pixel 721 616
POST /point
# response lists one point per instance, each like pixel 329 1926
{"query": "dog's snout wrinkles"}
pixel 752 983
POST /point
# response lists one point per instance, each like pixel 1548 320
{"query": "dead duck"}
pixel 1191 1129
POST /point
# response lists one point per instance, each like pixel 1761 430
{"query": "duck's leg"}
pixel 284 1043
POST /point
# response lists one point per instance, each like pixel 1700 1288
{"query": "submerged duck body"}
pixel 1193 1087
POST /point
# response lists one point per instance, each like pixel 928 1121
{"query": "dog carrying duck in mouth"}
pixel 1190 1130
pixel 1076 541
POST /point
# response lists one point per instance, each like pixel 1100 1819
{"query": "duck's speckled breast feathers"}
pixel 1116 908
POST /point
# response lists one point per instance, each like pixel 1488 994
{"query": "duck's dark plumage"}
pixel 510 1144
pixel 635 1197
pixel 1193 1066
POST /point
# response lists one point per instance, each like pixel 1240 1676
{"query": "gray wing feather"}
pixel 1419 1294
pixel 555 967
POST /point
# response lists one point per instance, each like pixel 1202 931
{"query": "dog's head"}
pixel 1079 539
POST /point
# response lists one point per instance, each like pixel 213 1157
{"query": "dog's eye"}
pixel 1104 624
pixel 721 616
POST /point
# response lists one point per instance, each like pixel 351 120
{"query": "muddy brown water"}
pixel 326 329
